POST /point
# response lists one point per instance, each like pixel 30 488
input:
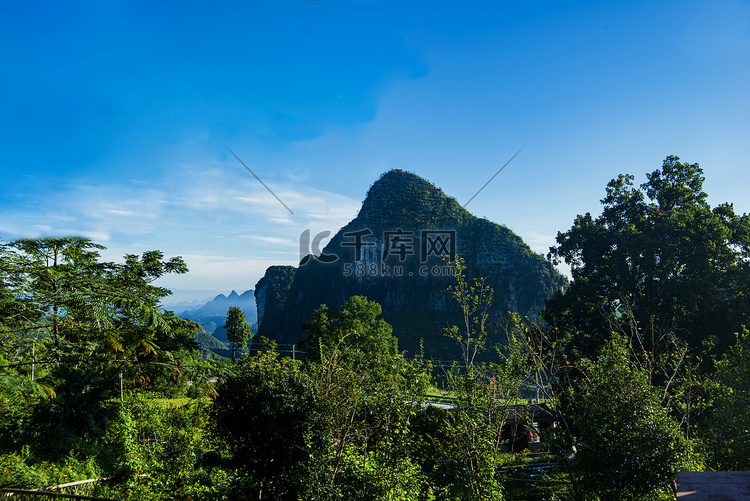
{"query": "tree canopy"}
pixel 660 254
pixel 354 330
pixel 627 444
pixel 75 318
pixel 238 332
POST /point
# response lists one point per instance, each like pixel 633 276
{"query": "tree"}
pixel 469 446
pixel 661 252
pixel 364 423
pixel 86 307
pixel 627 445
pixel 725 430
pixel 262 415
pixel 474 298
pixel 238 332
pixel 355 331
pixel 81 322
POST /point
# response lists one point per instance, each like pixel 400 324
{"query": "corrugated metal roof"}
pixel 713 486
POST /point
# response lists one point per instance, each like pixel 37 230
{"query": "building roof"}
pixel 713 485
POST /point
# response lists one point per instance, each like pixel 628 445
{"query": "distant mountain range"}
pixel 212 314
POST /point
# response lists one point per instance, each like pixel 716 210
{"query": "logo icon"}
pixel 309 248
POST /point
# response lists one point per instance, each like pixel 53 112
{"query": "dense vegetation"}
pixel 643 363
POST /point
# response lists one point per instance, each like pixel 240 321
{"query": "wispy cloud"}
pixel 271 240
pixel 232 226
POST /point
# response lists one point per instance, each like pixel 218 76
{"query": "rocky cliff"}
pixel 399 251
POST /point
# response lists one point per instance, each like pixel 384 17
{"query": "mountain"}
pixel 398 252
pixel 185 299
pixel 212 315
pixel 186 305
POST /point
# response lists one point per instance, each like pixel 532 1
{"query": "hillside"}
pixel 394 252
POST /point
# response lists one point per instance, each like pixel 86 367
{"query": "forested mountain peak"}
pixel 400 198
pixel 400 252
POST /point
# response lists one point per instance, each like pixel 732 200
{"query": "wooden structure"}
pixel 527 426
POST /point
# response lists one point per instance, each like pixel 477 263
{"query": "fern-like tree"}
pixel 78 322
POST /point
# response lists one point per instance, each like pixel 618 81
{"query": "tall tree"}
pixel 660 253
pixel 86 306
pixel 238 331
pixel 474 298
pixel 355 331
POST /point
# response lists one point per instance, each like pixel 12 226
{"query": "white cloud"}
pixel 270 240
pixel 121 212
pixel 230 225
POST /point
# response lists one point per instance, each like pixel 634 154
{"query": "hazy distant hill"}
pixel 211 316
pixel 187 305
pixel 394 253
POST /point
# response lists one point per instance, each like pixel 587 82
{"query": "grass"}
pixel 435 391
pixel 167 403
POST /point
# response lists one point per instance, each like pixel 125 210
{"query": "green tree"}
pixel 79 323
pixel 63 292
pixel 354 331
pixel 262 416
pixel 470 446
pixel 725 429
pixel 661 252
pixel 364 422
pixel 238 331
pixel 474 298
pixel 627 446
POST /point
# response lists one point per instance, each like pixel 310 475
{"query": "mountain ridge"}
pixel 394 252
pixel 212 315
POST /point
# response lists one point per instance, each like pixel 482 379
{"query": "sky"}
pixel 119 120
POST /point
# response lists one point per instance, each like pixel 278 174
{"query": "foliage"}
pixel 163 442
pixel 97 316
pixel 261 416
pixel 78 413
pixel 364 446
pixel 238 331
pixel 627 446
pixel 725 428
pixel 354 331
pixel 72 328
pixel 469 440
pixel 22 471
pixel 474 298
pixel 662 252
pixel 348 423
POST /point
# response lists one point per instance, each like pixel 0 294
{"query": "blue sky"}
pixel 115 115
